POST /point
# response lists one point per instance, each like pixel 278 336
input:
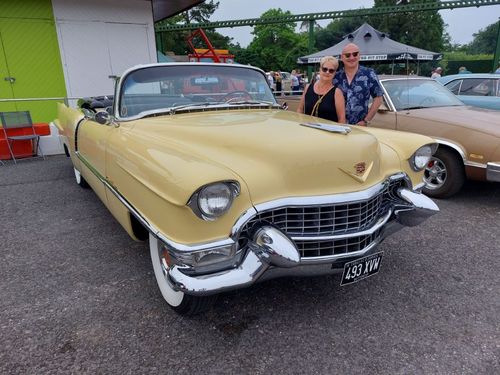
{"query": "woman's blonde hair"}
pixel 331 59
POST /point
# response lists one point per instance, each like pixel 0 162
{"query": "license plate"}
pixel 361 268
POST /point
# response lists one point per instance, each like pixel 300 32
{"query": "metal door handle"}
pixel 10 79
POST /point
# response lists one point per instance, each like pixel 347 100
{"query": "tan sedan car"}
pixel 468 137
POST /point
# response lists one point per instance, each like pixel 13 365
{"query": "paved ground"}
pixel 78 296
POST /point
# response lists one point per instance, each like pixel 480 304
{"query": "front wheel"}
pixel 444 175
pixel 180 302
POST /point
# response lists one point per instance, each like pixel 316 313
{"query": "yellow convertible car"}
pixel 230 189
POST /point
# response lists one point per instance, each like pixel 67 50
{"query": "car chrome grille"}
pixel 346 218
pixel 308 249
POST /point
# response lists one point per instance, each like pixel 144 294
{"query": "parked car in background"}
pixel 468 137
pixel 476 89
pixel 286 83
pixel 230 189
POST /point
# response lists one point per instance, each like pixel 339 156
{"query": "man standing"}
pixel 358 83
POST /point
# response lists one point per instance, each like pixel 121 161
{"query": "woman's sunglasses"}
pixel 326 70
pixel 354 54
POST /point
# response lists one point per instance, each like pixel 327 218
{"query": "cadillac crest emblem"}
pixel 360 168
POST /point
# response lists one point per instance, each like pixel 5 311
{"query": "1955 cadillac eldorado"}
pixel 230 189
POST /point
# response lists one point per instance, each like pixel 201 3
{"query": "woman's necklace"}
pixel 315 108
pixel 323 89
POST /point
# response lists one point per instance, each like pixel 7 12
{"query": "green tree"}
pixel 418 29
pixel 336 30
pixel 484 41
pixel 176 40
pixel 276 46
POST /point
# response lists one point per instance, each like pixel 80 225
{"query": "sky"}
pixel 462 23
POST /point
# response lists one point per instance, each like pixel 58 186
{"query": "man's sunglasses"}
pixel 325 70
pixel 354 54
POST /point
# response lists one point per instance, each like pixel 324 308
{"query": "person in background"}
pixel 278 79
pixel 295 83
pixel 270 79
pixel 463 70
pixel 358 84
pixel 321 98
pixel 498 69
pixel 437 72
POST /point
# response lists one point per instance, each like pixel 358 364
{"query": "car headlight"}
pixel 214 200
pixel 422 156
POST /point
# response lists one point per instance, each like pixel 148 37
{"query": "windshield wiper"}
pixel 172 110
pixel 252 102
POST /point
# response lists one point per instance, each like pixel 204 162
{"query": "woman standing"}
pixel 321 98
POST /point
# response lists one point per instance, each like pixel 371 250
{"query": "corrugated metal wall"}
pixel 99 38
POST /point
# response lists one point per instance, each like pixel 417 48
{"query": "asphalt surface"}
pixel 78 296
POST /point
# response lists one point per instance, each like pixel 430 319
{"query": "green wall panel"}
pixel 38 9
pixel 29 52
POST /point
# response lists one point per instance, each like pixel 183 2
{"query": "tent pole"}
pixel 392 68
pixel 310 48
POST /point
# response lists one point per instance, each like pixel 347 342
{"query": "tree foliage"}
pixel 418 29
pixel 275 46
pixel 175 41
pixel 484 41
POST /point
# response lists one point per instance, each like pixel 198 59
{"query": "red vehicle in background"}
pixel 208 54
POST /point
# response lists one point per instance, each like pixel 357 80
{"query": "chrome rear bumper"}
pixel 271 249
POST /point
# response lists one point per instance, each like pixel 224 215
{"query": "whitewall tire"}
pixel 180 302
pixel 79 179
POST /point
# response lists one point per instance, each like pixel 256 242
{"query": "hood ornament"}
pixel 341 129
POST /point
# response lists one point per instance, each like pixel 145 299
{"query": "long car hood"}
pixel 269 150
pixel 483 120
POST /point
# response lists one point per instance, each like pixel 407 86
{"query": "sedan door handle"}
pixel 10 79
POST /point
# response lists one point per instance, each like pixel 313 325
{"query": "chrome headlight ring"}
pixel 422 156
pixel 213 200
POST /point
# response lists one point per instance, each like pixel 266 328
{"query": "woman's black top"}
pixel 326 108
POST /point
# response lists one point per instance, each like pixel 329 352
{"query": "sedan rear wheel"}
pixel 444 175
pixel 180 302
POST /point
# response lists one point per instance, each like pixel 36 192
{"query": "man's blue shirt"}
pixel 357 94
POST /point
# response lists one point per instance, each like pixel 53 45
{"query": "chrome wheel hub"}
pixel 435 174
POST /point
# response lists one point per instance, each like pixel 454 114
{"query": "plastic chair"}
pixel 20 120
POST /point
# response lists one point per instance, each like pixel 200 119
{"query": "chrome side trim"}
pixel 493 172
pixel 475 165
pixel 153 230
pixel 454 146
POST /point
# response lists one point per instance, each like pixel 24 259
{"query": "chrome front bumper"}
pixel 271 249
pixel 493 172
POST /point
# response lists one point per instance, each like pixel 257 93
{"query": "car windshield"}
pixel 175 87
pixel 419 93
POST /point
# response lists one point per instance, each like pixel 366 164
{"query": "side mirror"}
pixel 103 118
pixel 88 113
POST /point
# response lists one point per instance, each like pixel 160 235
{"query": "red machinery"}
pixel 207 54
